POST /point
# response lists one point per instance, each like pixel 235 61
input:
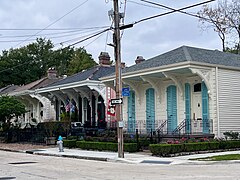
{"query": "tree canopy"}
pixel 29 63
pixel 224 19
pixel 9 108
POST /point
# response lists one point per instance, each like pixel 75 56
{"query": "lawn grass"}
pixel 220 158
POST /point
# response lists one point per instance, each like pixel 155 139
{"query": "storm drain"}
pixel 156 162
pixel 5 178
pixel 26 162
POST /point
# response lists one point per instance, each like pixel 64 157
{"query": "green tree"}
pixel 224 19
pixel 80 60
pixel 10 107
pixel 29 63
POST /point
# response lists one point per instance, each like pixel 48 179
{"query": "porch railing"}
pixel 187 126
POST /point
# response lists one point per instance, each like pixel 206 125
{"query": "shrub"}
pixel 201 146
pixel 231 135
pixel 165 149
pixel 100 146
pixel 214 145
pixel 97 145
pixel 130 147
pixel 69 143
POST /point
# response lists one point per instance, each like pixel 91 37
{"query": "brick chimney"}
pixel 139 59
pixel 104 59
pixel 123 65
pixel 52 73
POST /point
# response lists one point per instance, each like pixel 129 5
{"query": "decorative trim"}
pixel 72 96
pixel 82 93
pixel 101 89
pixel 155 83
pixel 206 76
pixel 59 97
pixel 177 81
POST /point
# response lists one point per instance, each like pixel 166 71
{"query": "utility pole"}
pixel 118 81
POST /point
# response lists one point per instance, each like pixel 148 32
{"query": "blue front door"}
pixel 188 107
pixel 131 112
pixel 150 110
pixel 171 108
pixel 205 114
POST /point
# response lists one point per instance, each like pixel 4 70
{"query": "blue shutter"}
pixel 205 112
pixel 188 107
pixel 150 110
pixel 131 112
pixel 171 108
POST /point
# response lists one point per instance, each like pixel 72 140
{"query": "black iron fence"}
pixel 45 132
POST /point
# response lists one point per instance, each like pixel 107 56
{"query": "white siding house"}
pixel 187 90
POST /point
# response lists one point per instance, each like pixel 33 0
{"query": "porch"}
pixel 187 128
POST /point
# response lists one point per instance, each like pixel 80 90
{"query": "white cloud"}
pixel 149 38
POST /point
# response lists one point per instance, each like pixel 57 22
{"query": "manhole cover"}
pixel 5 178
pixel 28 162
pixel 156 162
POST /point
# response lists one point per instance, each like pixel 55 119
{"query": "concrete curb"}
pixel 71 156
pixel 11 150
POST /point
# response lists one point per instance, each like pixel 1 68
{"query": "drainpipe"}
pixel 217 94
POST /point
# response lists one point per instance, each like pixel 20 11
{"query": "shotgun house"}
pixel 82 97
pixel 187 90
pixel 38 108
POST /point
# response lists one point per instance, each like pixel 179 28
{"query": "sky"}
pixel 67 21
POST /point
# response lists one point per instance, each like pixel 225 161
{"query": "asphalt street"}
pixel 24 166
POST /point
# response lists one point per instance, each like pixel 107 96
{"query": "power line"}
pixel 54 33
pixel 48 29
pixel 93 40
pixel 167 7
pixel 105 30
pixel 53 37
pixel 183 12
pixel 94 35
pixel 54 22
pixel 141 4
pixel 75 39
pixel 173 11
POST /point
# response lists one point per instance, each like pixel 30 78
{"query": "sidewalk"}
pixel 103 156
pixel 134 158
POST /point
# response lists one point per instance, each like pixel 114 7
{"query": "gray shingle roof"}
pixel 92 74
pixel 186 53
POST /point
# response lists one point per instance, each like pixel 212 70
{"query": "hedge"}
pixel 166 149
pixel 100 146
pixel 69 143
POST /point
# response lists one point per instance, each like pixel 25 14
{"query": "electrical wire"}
pixel 173 11
pixel 105 30
pixel 77 38
pixel 93 40
pixel 55 33
pixel 141 4
pixel 183 12
pixel 94 35
pixel 48 29
pixel 52 37
pixel 54 22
